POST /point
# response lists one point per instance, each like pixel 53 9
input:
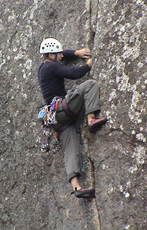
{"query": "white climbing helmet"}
pixel 50 45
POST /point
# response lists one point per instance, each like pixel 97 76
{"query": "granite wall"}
pixel 34 193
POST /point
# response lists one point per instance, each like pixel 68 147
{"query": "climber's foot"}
pixel 84 193
pixel 96 123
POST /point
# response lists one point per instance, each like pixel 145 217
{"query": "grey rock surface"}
pixel 34 192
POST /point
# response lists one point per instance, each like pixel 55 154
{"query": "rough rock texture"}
pixel 34 193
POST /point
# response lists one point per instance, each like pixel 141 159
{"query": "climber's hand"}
pixel 83 53
pixel 89 62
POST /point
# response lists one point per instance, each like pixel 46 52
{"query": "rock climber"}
pixel 51 75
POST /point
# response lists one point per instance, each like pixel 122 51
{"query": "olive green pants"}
pixel 87 95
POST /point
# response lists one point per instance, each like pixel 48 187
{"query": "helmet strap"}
pixel 55 59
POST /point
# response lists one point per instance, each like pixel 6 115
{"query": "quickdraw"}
pixel 52 113
pixel 47 116
pixel 48 112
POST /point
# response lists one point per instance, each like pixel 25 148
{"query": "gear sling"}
pixel 47 115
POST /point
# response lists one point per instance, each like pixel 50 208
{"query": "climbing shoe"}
pixel 84 193
pixel 96 123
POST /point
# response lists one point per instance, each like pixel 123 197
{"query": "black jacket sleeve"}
pixel 62 71
pixel 68 55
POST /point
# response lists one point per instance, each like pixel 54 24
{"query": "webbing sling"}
pixel 61 129
pixel 69 114
pixel 67 110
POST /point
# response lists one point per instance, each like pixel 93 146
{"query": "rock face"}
pixel 34 193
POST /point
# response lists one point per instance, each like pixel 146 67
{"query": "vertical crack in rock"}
pixel 92 175
pixel 91 22
pixel 11 38
pixel 93 219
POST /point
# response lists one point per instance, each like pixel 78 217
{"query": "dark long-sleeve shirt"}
pixel 51 76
